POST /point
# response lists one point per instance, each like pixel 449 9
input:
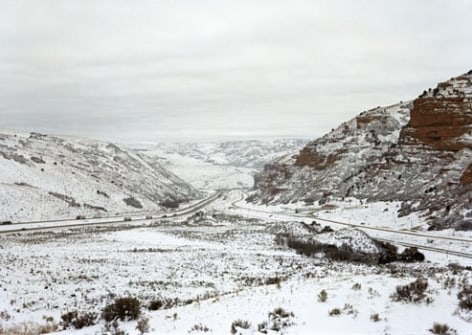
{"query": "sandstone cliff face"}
pixel 440 123
pixel 466 177
pixel 418 152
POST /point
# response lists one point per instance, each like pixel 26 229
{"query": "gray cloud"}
pixel 185 70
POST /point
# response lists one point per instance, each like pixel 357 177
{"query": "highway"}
pixel 429 237
pixel 109 220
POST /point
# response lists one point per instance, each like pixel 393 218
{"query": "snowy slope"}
pixel 219 165
pixel 51 177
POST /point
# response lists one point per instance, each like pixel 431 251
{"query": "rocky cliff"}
pixel 418 152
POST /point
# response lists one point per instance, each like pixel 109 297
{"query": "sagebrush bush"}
pixel 282 313
pixel 323 296
pixel 199 328
pixel 375 317
pixel 113 328
pixel 124 309
pixel 356 286
pixel 263 327
pixel 243 324
pixel 410 255
pixel 442 329
pixel 155 305
pixel 343 253
pixel 334 312
pixel 78 320
pixel 143 325
pixel 465 298
pixel 274 281
pixel 412 292
pixel 280 319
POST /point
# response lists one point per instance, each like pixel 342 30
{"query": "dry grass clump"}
pixel 30 328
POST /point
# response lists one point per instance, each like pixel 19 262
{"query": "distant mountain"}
pixel 50 176
pixel 418 152
pixel 229 164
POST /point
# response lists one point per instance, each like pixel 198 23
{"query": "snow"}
pixel 220 165
pixel 224 263
pixel 50 177
pixel 221 261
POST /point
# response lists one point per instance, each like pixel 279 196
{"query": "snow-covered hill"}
pixel 230 164
pixel 417 152
pixel 56 177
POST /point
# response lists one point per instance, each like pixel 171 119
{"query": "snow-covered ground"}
pixel 378 219
pixel 216 269
pixel 46 177
pixel 219 165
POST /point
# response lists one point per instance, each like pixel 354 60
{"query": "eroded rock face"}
pixel 442 118
pixel 418 152
pixel 440 122
pixel 466 177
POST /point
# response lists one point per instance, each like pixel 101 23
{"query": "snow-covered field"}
pixel 212 270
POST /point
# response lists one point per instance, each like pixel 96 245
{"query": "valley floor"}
pixel 209 271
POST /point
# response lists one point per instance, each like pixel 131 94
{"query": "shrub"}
pixel 199 328
pixel 375 317
pixel 155 305
pixel 335 312
pixel 143 325
pixel 388 254
pixel 413 292
pixel 280 312
pixel 280 319
pixel 410 255
pixel 132 202
pixel 78 321
pixel 263 327
pixel 349 310
pixel 465 298
pixel 356 286
pixel 125 309
pixel 163 303
pixel 273 281
pixel 323 296
pixel 113 328
pixel 343 253
pixel 442 329
pixel 243 324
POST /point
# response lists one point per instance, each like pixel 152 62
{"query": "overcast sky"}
pixel 187 70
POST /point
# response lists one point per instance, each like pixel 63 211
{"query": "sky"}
pixel 189 70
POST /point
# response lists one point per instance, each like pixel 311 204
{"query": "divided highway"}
pixel 72 223
pixel 377 229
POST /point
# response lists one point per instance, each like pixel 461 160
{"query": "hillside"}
pixel 217 165
pixel 54 177
pixel 418 152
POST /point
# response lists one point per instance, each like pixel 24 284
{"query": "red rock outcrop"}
pixel 466 177
pixel 440 120
pixel 317 161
